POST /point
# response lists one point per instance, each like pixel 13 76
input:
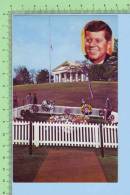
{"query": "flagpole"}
pixel 90 88
pixel 85 70
pixel 49 49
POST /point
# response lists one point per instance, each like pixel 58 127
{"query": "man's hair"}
pixel 97 25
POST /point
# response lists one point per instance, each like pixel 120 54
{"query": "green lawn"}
pixel 110 164
pixel 25 166
pixel 70 94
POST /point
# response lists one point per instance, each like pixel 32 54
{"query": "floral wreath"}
pixel 86 109
pixel 48 105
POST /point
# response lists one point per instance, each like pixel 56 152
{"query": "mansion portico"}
pixel 69 72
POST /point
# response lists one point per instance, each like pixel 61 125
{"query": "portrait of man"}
pixel 98 41
pixel 100 47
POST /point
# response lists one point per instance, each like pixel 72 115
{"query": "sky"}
pixel 39 41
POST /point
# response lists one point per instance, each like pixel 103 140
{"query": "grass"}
pixel 62 85
pixel 70 94
pixel 109 164
pixel 26 166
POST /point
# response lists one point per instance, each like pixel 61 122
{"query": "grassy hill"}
pixel 70 94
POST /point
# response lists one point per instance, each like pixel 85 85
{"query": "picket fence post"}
pixel 30 138
pixel 36 133
pixel 101 138
pixel 97 135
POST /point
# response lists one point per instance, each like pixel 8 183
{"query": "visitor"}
pixel 34 98
pixel 29 99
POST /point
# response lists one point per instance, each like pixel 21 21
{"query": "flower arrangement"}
pixel 47 105
pixel 69 119
pixel 80 119
pixel 86 109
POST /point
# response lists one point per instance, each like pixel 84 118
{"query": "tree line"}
pixel 105 72
pixel 25 76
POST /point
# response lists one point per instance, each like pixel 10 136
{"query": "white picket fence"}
pixel 61 134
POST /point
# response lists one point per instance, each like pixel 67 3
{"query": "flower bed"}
pixel 69 118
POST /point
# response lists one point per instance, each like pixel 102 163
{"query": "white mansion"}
pixel 69 72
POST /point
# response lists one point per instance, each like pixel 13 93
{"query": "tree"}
pixel 96 72
pixel 42 76
pixel 22 76
pixel 15 82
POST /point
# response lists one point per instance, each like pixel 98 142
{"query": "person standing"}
pixel 35 99
pixel 29 99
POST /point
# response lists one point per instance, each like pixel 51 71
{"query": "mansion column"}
pixel 70 77
pixel 76 77
pixel 87 77
pixel 54 76
pixel 82 77
pixel 65 76
pixel 59 77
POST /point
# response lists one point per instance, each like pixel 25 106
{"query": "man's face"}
pixel 96 46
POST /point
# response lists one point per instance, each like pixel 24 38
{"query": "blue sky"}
pixel 31 38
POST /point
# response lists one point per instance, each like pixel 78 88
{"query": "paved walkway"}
pixel 70 165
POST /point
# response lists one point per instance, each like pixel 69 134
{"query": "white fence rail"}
pixel 61 134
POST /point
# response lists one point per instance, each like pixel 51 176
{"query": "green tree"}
pixel 96 72
pixel 22 76
pixel 42 76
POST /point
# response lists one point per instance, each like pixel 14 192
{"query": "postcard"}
pixel 65 98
